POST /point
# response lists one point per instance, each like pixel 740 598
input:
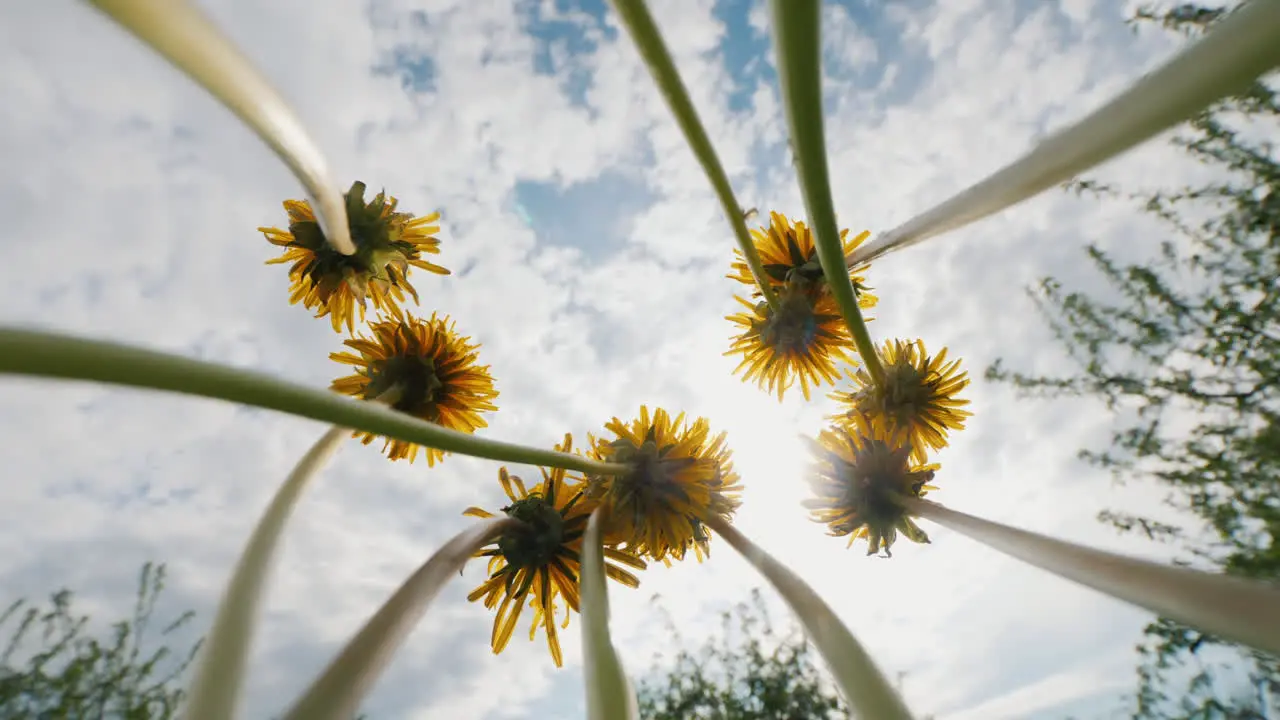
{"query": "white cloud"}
pixel 132 200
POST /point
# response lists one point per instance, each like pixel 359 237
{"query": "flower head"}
pixel 803 340
pixel 680 474
pixel 855 476
pixel 537 560
pixel 789 257
pixel 387 244
pixel 422 368
pixel 917 404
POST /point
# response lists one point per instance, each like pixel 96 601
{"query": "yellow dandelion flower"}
pixel 538 560
pixel 855 475
pixel 789 256
pixel 803 341
pixel 387 244
pixel 917 404
pixel 680 474
pixel 422 368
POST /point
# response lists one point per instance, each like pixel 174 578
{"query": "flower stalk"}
pixel 610 695
pixel 184 36
pixel 1232 608
pixel 41 353
pixel 336 694
pixel 797 38
pixel 1233 53
pixel 216 688
pixel 863 686
pixel 644 32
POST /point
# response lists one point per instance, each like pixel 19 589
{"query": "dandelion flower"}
pixel 680 474
pixel 387 244
pixel 803 340
pixel 422 368
pixel 789 257
pixel 538 559
pixel 917 404
pixel 855 476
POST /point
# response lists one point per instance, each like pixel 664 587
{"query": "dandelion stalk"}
pixel 1233 53
pixel 1232 608
pixel 797 37
pixel 336 694
pixel 609 692
pixel 644 32
pixel 181 33
pixel 864 687
pixel 54 355
pixel 215 690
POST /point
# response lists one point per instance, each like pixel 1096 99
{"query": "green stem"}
pixel 798 40
pixel 636 17
pixel 181 33
pixel 861 683
pixel 1224 61
pixel 610 695
pixel 347 681
pixel 46 354
pixel 219 680
pixel 1232 608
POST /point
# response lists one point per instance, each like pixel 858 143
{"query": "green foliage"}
pixel 749 671
pixel 51 668
pixel 1186 350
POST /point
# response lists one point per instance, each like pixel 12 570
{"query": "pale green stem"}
pixel 644 32
pixel 610 695
pixel 180 32
pixel 798 39
pixel 337 693
pixel 46 354
pixel 1233 53
pixel 1232 608
pixel 863 686
pixel 216 688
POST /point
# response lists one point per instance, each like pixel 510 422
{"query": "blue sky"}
pixel 588 256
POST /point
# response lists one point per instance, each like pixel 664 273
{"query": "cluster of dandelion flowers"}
pixel 790 258
pixel 857 474
pixel 916 404
pixel 537 560
pixel 422 368
pixel 680 474
pixel 388 244
pixel 803 340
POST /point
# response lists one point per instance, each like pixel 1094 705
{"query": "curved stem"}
pixel 336 694
pixel 864 687
pixel 798 40
pixel 181 33
pixel 215 690
pixel 46 354
pixel 1233 53
pixel 1232 608
pixel 638 21
pixel 609 692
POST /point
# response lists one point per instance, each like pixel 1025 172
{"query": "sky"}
pixel 588 256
